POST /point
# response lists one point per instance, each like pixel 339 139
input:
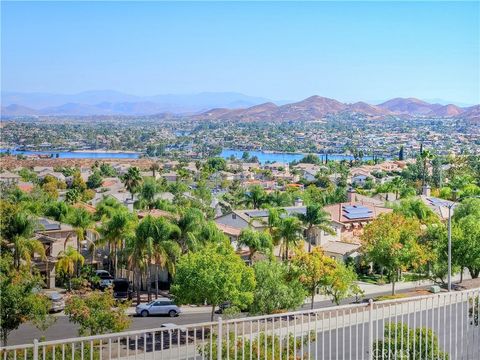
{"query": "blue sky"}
pixel 280 50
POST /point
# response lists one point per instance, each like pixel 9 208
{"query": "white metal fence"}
pixel 375 330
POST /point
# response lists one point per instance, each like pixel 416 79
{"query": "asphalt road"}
pixel 459 337
pixel 63 329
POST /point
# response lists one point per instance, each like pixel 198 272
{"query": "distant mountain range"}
pixel 219 106
pixel 108 102
pixel 316 107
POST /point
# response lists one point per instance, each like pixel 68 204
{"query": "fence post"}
pixel 370 329
pixel 35 349
pixel 219 339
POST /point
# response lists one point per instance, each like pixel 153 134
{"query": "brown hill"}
pixel 17 110
pixel 410 106
pixel 447 110
pixel 364 108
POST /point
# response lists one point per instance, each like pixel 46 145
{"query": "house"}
pixel 351 217
pixel 438 206
pixel 54 236
pixel 9 178
pixel 170 176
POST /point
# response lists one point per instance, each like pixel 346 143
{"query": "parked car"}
pixel 160 306
pixel 122 289
pixel 56 300
pixel 106 279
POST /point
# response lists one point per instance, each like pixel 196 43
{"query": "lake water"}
pixel 77 155
pixel 264 157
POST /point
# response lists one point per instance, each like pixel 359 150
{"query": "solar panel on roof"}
pixel 357 216
pixel 257 213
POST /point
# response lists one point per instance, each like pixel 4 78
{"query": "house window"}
pixel 234 216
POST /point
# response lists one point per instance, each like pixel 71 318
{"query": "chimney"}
pixel 298 202
pixel 351 195
pixel 426 190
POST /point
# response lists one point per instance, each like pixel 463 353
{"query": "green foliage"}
pixel 216 164
pixel 107 170
pixel 95 180
pixel 214 274
pixel 28 175
pixel 310 159
pixel 313 270
pixel 262 347
pixel 132 179
pixel 67 260
pixel 256 241
pixel 276 289
pixel 256 196
pixel 422 344
pixel 416 209
pixel 391 242
pixel 341 283
pixel 97 313
pixel 18 302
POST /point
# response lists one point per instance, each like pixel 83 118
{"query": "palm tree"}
pixel 82 222
pixel 148 191
pixel 132 179
pixel 290 231
pixel 107 207
pixel 397 184
pixel 255 241
pixel 273 222
pixel 136 252
pixel 67 259
pixel 159 235
pixel 315 217
pixel 115 230
pixel 154 167
pixel 21 229
pixel 255 196
pixel 426 157
pixel 190 223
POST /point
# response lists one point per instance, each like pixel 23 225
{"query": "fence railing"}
pixel 440 326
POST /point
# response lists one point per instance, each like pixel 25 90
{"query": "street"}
pixel 63 329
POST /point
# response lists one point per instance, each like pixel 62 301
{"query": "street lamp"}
pixel 450 206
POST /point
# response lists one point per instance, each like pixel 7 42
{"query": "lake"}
pixel 264 157
pixel 78 154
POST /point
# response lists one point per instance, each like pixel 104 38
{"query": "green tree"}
pixel 132 179
pixel 341 283
pixel 391 242
pixel 67 260
pixel 313 270
pixel 422 344
pixel 18 302
pixel 114 232
pixel 466 244
pixel 17 230
pixel 97 313
pixel 214 274
pixel 426 156
pixel 158 236
pixel 315 218
pixel 255 196
pixel 216 164
pixel 276 288
pixel 147 192
pixel 416 209
pixel 256 241
pixel 82 222
pixel 290 232
pixel 73 196
pixel 95 180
